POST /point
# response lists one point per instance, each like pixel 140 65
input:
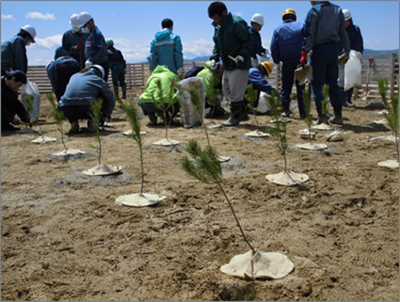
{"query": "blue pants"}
pixel 324 62
pixel 287 84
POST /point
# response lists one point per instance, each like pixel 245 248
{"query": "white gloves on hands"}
pixel 213 63
pixel 88 63
pixel 238 59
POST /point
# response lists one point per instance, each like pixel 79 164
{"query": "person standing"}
pixel 166 49
pixel 325 34
pixel 234 45
pixel 13 51
pixel 95 46
pixel 257 22
pixel 357 44
pixel 118 68
pixel 73 41
pixel 286 44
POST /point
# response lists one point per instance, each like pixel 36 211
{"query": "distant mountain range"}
pixel 366 52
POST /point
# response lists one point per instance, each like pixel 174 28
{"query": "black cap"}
pixel 19 76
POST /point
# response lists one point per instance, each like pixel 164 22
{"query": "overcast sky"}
pixel 132 25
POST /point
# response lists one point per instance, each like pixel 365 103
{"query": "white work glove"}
pixel 180 72
pixel 213 63
pixel 88 63
pixel 239 60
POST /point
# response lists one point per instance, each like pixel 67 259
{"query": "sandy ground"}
pixel 64 238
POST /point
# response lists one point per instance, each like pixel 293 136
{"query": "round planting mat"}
pixel 256 133
pixel 138 200
pixel 129 132
pixel 259 266
pixel 393 164
pixel 166 142
pixel 44 139
pixel 69 152
pixel 322 127
pixel 223 159
pixel 312 146
pixel 102 170
pixel 287 179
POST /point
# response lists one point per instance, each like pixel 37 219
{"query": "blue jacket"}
pixel 13 54
pixel 286 42
pixel 60 52
pixel 355 37
pixel 95 48
pixel 54 65
pixel 259 82
pixel 70 40
pixel 166 50
pixel 257 45
pixel 84 87
pixel 325 23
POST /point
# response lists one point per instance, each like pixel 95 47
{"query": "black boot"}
pixel 116 92
pixel 236 115
pixel 349 94
pixel 337 119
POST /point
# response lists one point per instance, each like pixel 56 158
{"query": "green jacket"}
pixel 211 81
pixel 165 77
pixel 232 38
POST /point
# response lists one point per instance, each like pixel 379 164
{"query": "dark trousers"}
pixel 288 69
pixel 75 113
pixel 151 109
pixel 10 108
pixel 118 75
pixel 324 62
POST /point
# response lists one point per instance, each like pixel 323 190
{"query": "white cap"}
pixel 347 14
pixel 84 17
pixel 30 30
pixel 98 67
pixel 258 18
pixel 74 21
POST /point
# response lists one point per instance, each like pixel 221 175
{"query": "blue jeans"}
pixel 324 62
pixel 287 84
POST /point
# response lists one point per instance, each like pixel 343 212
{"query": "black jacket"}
pixel 10 106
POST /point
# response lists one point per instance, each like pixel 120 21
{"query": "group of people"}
pixel 79 72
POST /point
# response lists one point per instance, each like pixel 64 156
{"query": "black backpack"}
pixel 192 72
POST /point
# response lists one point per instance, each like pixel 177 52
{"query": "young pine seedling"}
pixel 383 87
pixel 251 97
pixel 325 101
pixel 207 169
pixel 95 115
pixel 392 118
pixel 58 116
pixel 214 100
pixel 196 101
pixel 307 108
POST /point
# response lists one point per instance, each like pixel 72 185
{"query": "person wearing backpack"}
pixel 118 68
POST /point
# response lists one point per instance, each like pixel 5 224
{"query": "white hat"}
pixel 100 68
pixel 74 21
pixel 30 30
pixel 84 17
pixel 347 14
pixel 258 18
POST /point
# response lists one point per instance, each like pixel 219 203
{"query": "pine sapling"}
pixel 207 169
pixel 213 98
pixel 325 101
pixel 383 87
pixel 95 115
pixel 393 120
pixel 307 108
pixel 58 116
pixel 134 120
pixel 198 105
pixel 280 129
pixel 165 103
pixel 251 97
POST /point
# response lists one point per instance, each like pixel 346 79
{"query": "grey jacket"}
pixel 324 24
pixel 13 55
pixel 84 87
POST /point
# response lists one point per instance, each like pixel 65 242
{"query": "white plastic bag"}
pixel 352 71
pixel 189 115
pixel 263 106
pixel 31 89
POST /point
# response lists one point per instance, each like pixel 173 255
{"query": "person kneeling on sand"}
pixel 10 106
pixel 83 88
pixel 160 91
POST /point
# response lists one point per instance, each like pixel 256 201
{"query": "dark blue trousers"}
pixel 287 84
pixel 324 62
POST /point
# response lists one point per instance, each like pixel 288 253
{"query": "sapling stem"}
pixel 58 116
pixel 198 105
pixel 251 98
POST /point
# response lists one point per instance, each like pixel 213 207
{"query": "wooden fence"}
pixel 384 66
